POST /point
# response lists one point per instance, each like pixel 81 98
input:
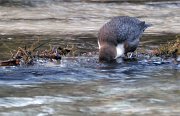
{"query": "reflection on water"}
pixel 80 85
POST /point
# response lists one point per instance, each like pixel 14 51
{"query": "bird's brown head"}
pixel 107 53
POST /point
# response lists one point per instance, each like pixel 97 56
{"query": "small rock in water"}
pixel 157 62
pixel 119 60
pixel 9 38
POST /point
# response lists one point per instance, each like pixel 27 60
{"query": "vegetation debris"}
pixel 27 56
pixel 170 49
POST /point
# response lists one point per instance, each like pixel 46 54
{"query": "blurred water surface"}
pixel 84 17
pixel 82 86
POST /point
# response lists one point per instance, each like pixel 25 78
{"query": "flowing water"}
pixel 80 85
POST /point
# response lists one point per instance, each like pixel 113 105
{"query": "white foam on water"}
pixel 9 102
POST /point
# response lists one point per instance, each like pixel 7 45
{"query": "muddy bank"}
pixel 84 43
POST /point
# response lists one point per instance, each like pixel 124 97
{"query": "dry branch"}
pixel 28 55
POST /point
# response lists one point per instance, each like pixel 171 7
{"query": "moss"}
pixel 170 49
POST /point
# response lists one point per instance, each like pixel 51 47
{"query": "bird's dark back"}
pixel 120 29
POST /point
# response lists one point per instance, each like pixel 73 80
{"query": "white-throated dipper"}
pixel 119 36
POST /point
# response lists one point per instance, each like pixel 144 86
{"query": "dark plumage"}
pixel 119 36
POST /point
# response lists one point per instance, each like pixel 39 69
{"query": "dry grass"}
pixel 170 49
pixel 27 56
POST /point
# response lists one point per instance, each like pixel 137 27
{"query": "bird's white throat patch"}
pixel 119 50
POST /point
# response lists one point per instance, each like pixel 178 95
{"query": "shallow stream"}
pixel 80 86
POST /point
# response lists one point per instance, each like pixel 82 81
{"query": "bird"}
pixel 119 36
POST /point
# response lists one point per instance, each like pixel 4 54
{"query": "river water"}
pixel 80 85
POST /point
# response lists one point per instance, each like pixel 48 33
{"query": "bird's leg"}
pixel 130 55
